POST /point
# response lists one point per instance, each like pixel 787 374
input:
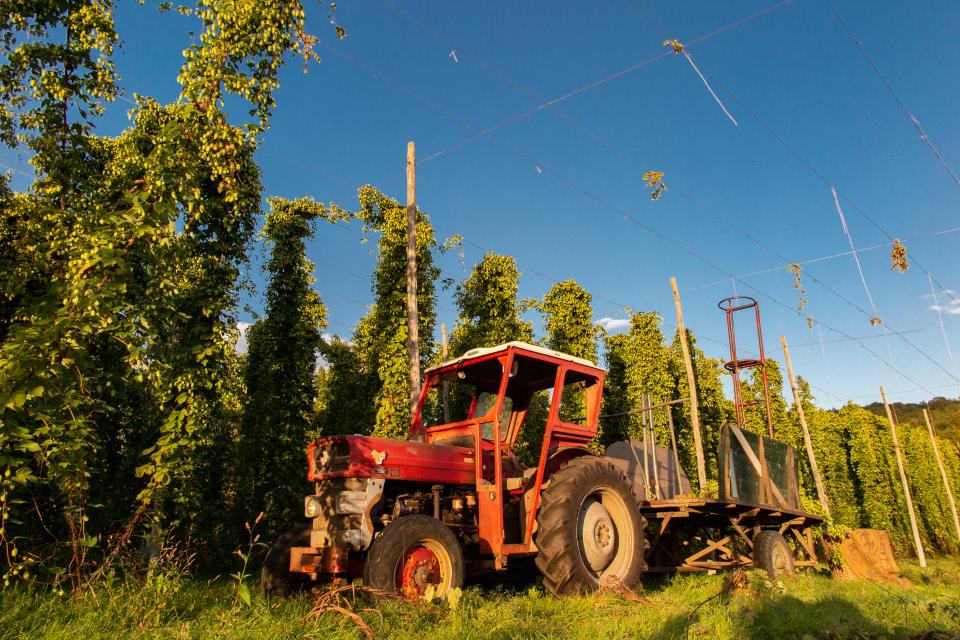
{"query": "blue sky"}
pixel 347 121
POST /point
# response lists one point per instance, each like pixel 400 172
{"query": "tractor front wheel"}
pixel 275 576
pixel 412 554
pixel 590 529
pixel 772 554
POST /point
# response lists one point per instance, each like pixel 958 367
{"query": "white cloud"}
pixel 613 324
pixel 241 344
pixel 952 309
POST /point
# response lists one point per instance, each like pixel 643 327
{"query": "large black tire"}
pixel 772 554
pixel 275 576
pixel 590 528
pixel 412 553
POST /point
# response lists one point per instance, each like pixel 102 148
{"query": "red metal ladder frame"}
pixel 730 306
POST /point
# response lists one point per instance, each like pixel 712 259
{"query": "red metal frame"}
pixel 730 306
pixel 560 442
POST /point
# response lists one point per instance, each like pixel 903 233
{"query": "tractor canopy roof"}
pixel 532 349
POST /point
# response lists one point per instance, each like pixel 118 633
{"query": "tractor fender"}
pixel 561 456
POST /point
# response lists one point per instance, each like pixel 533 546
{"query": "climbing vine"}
pixel 280 365
pixel 381 336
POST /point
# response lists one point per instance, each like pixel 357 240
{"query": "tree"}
pixel 381 336
pixel 119 295
pixel 715 409
pixel 784 429
pixel 615 401
pixel 489 309
pixel 349 402
pixel 568 319
pixel 280 369
pixel 570 330
pixel 647 372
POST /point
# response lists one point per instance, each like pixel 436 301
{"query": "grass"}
pixel 811 605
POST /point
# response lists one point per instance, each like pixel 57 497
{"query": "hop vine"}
pixel 654 180
pixel 898 257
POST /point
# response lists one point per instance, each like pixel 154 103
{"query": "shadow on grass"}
pixel 782 617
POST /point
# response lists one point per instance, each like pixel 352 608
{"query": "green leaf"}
pixel 244 592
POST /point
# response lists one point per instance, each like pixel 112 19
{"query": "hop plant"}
pixel 677 47
pixel 898 257
pixel 794 268
pixel 654 180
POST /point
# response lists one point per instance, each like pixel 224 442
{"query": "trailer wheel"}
pixel 413 553
pixel 590 528
pixel 772 554
pixel 275 576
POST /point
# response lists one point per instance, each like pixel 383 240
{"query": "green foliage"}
pixel 568 318
pixel 349 396
pixel 647 372
pixel 715 409
pixel 569 322
pixel 830 440
pixel 119 281
pixel 281 361
pixel 614 390
pixel 784 429
pixel 489 311
pixel 944 414
pixel 381 336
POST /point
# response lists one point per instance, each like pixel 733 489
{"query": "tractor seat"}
pixel 516 484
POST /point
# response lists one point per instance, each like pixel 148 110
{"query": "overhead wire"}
pixel 886 83
pixel 628 156
pixel 834 191
pixel 548 104
pixel 592 196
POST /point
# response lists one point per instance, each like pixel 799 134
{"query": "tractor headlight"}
pixel 312 507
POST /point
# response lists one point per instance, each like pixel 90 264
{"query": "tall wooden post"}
pixel 903 479
pixel 413 341
pixel 821 493
pixel 692 383
pixel 446 385
pixel 943 473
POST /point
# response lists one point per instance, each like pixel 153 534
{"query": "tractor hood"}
pixel 369 457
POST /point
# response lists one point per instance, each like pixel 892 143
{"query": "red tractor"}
pixel 455 498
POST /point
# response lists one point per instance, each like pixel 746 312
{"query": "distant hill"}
pixel 944 413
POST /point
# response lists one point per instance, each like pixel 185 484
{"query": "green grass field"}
pixel 811 605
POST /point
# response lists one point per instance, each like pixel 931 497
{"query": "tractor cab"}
pixel 522 410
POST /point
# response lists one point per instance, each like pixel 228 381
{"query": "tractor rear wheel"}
pixel 589 528
pixel 772 554
pixel 412 554
pixel 275 576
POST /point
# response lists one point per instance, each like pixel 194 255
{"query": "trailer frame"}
pixel 718 534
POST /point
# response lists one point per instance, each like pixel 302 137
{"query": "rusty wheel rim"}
pixel 423 564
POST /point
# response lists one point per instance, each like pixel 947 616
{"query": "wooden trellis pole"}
pixel 821 492
pixel 692 383
pixel 903 479
pixel 446 385
pixel 943 473
pixel 413 341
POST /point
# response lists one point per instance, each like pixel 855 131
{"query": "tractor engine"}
pixel 362 483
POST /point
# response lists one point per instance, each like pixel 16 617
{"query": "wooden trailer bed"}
pixel 697 534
